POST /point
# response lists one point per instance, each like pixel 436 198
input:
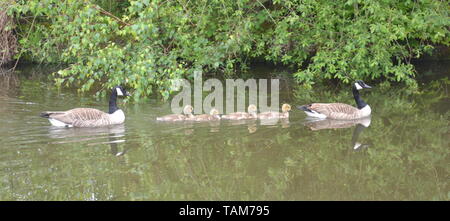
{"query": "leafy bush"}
pixel 145 43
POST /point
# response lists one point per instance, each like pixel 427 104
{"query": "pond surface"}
pixel 401 155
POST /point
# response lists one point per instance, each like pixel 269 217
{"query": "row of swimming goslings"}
pixel 214 114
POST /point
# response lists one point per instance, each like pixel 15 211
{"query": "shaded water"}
pixel 401 155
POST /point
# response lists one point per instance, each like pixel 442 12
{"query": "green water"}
pixel 401 155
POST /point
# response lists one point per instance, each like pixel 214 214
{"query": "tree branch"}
pixel 109 14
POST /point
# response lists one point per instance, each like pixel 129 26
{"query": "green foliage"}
pixel 146 43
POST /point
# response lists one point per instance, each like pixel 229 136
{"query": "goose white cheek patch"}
pixel 119 92
pixel 358 87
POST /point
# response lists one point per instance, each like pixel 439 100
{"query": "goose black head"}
pixel 120 91
pixel 116 91
pixel 359 84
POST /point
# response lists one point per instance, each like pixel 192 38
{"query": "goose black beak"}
pixel 127 93
pixel 367 86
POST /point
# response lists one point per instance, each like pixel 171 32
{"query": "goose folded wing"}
pixel 79 115
pixel 334 110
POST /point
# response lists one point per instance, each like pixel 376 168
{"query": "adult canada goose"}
pixel 340 111
pixel 250 114
pixel 285 108
pixel 89 117
pixel 187 113
pixel 213 115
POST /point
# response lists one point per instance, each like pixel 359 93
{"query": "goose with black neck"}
pixel 89 117
pixel 340 111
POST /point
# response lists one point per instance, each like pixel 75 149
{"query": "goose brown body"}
pixel 338 110
pixel 89 117
pixel 86 117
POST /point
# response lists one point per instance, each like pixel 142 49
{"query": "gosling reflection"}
pixel 252 127
pixel 190 126
pixel 360 125
pixel 284 122
pixel 250 123
pixel 214 126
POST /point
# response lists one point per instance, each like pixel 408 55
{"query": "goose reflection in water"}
pixel 113 135
pixel 360 125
